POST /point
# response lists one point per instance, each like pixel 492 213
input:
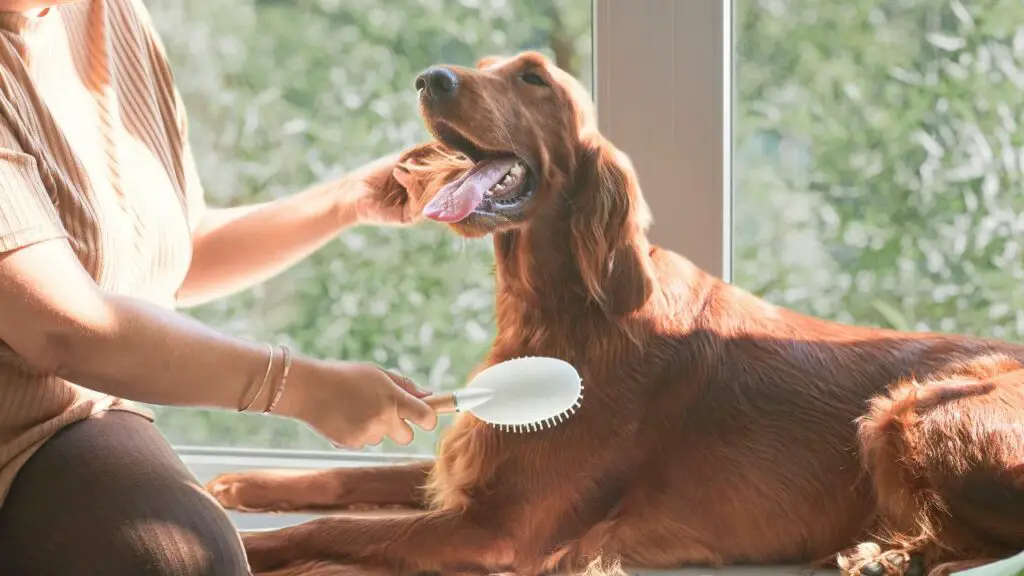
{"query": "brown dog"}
pixel 717 428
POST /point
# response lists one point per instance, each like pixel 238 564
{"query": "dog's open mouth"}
pixel 499 184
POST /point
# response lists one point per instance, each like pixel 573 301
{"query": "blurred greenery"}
pixel 881 138
pixel 878 157
pixel 283 94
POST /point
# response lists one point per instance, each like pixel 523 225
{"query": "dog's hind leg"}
pixel 946 460
pixel 323 490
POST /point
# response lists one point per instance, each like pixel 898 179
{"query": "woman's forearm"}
pixel 148 354
pixel 60 322
pixel 236 248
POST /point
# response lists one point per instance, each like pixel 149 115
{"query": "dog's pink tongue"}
pixel 457 199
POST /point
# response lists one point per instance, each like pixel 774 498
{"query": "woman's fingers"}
pixel 406 384
pixel 410 405
pixel 401 433
pixel 416 411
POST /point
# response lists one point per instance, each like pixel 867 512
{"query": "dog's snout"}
pixel 438 83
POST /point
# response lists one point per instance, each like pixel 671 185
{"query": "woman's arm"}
pixel 236 248
pixel 59 321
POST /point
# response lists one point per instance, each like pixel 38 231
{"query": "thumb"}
pixel 403 176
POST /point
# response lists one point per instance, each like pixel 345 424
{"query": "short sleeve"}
pixel 27 213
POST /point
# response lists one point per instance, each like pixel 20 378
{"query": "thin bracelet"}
pixel 266 378
pixel 286 353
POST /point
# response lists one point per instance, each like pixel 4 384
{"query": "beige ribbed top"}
pixel 93 149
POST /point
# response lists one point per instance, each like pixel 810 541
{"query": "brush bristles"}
pixel 543 424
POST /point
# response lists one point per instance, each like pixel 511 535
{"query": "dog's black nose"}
pixel 438 83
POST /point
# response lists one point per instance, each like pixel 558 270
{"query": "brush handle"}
pixel 442 403
pixel 458 401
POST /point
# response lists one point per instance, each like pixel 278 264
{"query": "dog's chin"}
pixel 479 225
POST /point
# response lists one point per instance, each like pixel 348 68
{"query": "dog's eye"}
pixel 533 78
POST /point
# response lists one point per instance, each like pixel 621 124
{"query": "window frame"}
pixel 662 84
pixel 663 88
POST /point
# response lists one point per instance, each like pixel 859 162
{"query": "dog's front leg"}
pixel 435 540
pixel 323 490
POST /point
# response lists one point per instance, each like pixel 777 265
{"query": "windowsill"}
pixel 206 463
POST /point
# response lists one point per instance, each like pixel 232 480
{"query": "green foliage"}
pixel 882 138
pixel 878 164
pixel 284 94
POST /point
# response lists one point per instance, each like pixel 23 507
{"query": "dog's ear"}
pixel 488 61
pixel 607 224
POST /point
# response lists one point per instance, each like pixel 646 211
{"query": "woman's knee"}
pixel 108 496
pixel 199 541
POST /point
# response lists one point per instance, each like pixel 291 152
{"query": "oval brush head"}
pixel 518 395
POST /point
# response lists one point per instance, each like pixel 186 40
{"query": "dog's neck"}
pixel 581 267
pixel 543 301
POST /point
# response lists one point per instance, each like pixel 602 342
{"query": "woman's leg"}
pixel 108 496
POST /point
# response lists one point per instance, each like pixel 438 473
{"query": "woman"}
pixel 103 230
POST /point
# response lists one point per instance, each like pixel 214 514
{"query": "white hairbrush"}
pixel 519 395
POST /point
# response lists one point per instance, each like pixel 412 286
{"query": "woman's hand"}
pixel 386 192
pixel 355 404
pixel 372 195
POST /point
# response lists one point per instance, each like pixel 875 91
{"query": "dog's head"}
pixel 528 135
pixel 520 121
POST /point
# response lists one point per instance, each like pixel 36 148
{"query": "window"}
pixel 878 161
pixel 859 161
pixel 284 94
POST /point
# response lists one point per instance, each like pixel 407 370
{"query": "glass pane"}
pixel 283 94
pixel 878 161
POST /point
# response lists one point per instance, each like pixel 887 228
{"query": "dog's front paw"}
pixel 868 559
pixel 248 492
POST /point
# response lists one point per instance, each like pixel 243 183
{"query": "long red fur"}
pixel 717 428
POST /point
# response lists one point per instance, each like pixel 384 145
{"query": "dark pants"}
pixel 107 496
